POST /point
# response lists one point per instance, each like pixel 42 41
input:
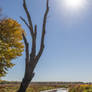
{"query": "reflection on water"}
pixel 57 90
pixel 62 90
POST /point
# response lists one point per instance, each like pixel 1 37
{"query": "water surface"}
pixel 62 90
pixel 57 90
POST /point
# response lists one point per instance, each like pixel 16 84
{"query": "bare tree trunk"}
pixel 31 58
pixel 27 79
pixel 25 83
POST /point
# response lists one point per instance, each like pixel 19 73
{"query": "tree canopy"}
pixel 11 45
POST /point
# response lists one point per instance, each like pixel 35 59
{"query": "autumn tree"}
pixel 10 43
pixel 32 57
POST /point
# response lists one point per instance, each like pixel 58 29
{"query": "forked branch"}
pixel 28 17
pixel 43 33
pixel 26 50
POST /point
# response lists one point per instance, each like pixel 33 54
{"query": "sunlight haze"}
pixel 68 43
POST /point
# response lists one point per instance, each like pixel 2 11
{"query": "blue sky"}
pixel 68 42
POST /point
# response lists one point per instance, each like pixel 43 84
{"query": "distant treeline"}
pixel 45 83
pixel 58 83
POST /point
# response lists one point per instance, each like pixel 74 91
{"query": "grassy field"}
pixel 9 87
pixel 13 86
pixel 31 88
pixel 80 88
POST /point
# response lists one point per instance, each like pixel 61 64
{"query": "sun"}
pixel 74 4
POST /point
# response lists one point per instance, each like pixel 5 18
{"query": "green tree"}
pixel 10 43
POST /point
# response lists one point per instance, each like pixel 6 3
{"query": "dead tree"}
pixel 31 57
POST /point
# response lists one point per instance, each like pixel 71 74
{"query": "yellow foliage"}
pixel 10 43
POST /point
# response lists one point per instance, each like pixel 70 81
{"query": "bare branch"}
pixel 24 21
pixel 34 41
pixel 35 32
pixel 28 16
pixel 43 33
pixel 0 11
pixel 26 50
pixel 33 52
pixel 26 24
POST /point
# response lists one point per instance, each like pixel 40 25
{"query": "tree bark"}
pixel 25 83
pixel 27 79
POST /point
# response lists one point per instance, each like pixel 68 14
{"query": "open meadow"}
pixel 37 87
pixel 32 88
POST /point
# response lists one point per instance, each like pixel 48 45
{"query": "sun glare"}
pixel 74 4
